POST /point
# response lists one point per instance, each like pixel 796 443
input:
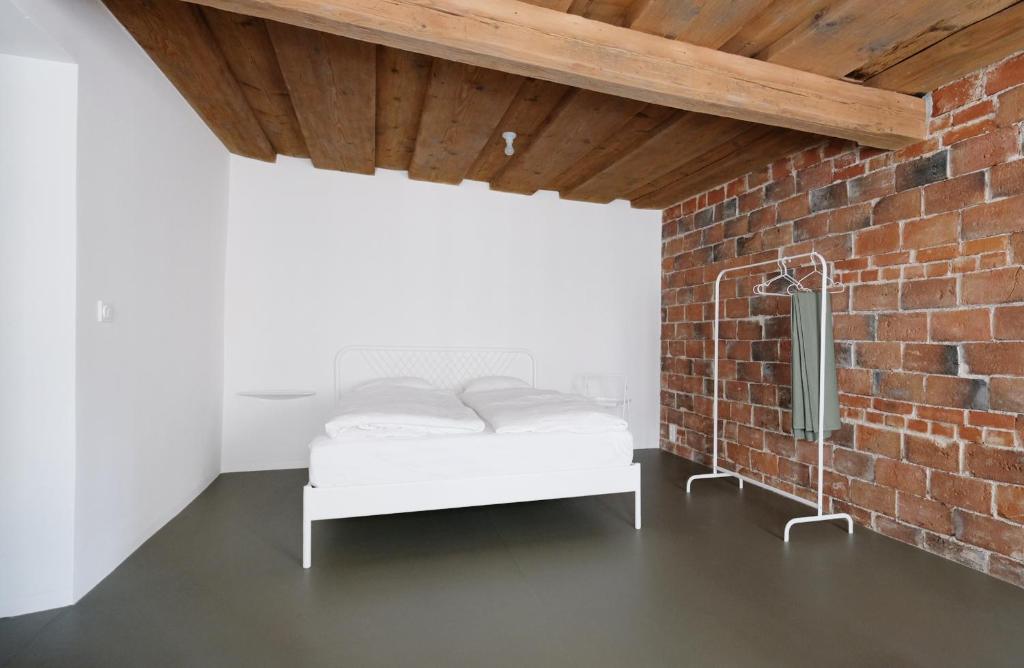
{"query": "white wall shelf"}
pixel 277 395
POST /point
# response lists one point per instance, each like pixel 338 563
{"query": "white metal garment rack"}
pixel 785 263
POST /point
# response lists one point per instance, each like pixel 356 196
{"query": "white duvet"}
pixel 520 410
pixel 396 411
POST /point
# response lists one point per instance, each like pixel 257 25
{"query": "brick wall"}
pixel 929 334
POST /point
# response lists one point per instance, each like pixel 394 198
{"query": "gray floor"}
pixel 708 581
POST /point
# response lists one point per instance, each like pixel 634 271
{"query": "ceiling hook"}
pixel 509 137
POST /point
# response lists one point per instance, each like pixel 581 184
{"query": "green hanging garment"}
pixel 805 320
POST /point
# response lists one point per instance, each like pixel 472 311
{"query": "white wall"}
pixel 37 331
pixel 318 260
pixel 152 206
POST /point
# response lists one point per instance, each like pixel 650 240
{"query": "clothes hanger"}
pixel 828 276
pixel 786 276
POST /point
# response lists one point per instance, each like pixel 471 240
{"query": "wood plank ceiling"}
pixel 267 88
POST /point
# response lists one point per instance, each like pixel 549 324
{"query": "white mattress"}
pixel 361 460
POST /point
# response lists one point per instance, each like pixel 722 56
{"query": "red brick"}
pixel 1009 73
pixel 901 476
pixel 878 355
pixel 933 231
pixel 902 206
pixel 988 419
pixel 990 533
pixel 903 327
pixel 956 392
pixel 1017 247
pixel 793 208
pixel 881 297
pixel 1007 394
pixel 962 132
pixel 955 193
pixel 854 381
pixel 994 287
pixel 1010 502
pixel 955 551
pixel 930 358
pixel 963 325
pixel 929 293
pixel 813 177
pixel 1009 323
pixel 811 227
pixel 878 441
pixel 961 492
pixel 901 386
pixel 764 462
pixel 873 497
pixel 926 514
pixel 953 95
pixel 897 530
pixel 995 358
pixel 974 112
pixel 984 151
pixel 781 444
pixel 1011 107
pixel 852 463
pixel 997 464
pixel 795 472
pixel 879 239
pixel 940 414
pixel 849 218
pixel 926 452
pixel 1007 179
pixel 1006 569
pixel 852 327
pixel 872 186
pixel 999 217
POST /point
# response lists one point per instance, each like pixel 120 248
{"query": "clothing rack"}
pixel 816 260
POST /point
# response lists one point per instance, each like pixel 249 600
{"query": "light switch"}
pixel 104 312
pixel 673 432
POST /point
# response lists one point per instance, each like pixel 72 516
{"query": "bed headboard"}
pixel 449 368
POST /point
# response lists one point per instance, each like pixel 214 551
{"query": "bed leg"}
pixel 636 509
pixel 307 530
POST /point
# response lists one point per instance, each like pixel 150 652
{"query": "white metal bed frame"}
pixel 816 259
pixel 449 368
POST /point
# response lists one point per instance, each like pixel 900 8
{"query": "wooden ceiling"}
pixel 267 88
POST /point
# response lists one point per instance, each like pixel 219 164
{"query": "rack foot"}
pixel 722 474
pixel 818 518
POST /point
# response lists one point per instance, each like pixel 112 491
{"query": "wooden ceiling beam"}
pixel 983 43
pixel 246 46
pixel 464 119
pixel 530 108
pixel 752 149
pixel 688 138
pixel 462 107
pixel 652 119
pixel 178 39
pixel 534 41
pixel 565 139
pixel 849 36
pixel 333 84
pixel 402 80
pixel 701 22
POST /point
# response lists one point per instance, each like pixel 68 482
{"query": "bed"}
pixel 356 475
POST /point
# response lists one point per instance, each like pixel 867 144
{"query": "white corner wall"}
pixel 318 260
pixel 37 331
pixel 152 207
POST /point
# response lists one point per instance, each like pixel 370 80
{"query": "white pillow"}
pixel 487 383
pixel 404 381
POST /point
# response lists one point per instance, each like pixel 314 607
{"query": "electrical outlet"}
pixel 104 312
pixel 673 432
